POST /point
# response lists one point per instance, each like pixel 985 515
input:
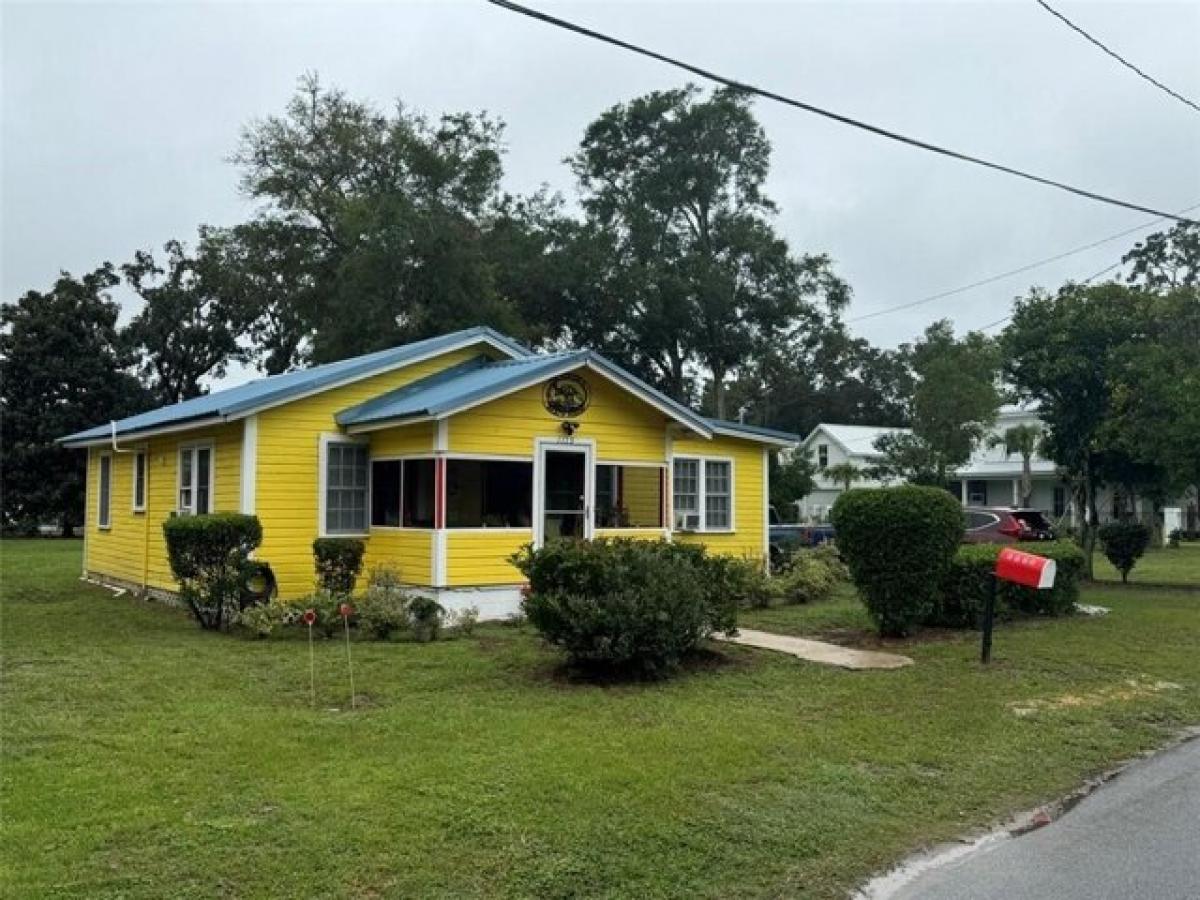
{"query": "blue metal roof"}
pixel 724 427
pixel 460 386
pixel 479 380
pixel 246 398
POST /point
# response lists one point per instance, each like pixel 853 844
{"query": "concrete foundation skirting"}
pixel 494 602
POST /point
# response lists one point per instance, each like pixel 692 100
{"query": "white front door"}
pixel 563 492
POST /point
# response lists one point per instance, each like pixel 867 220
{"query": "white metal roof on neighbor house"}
pixel 856 440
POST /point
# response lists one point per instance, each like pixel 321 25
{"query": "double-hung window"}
pixel 346 489
pixel 702 494
pixel 139 481
pixel 104 493
pixel 195 480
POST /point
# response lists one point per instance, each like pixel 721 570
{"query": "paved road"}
pixel 1136 837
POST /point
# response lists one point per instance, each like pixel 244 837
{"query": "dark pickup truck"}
pixel 785 537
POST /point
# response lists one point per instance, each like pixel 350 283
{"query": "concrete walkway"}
pixel 817 651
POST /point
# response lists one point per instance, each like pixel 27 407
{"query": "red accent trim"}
pixel 439 492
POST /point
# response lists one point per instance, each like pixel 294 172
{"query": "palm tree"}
pixel 1023 440
pixel 844 473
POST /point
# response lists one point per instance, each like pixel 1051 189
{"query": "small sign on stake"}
pixel 309 618
pixel 345 610
pixel 1019 567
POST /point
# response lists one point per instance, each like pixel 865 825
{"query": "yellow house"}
pixel 445 456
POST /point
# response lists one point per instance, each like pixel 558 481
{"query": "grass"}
pixel 1160 565
pixel 144 758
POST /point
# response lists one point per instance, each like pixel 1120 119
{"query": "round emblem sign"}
pixel 566 396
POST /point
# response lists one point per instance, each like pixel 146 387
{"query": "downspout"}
pixel 112 424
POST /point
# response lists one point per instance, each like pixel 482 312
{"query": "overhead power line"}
pixel 1011 272
pixel 1087 280
pixel 1118 57
pixel 829 114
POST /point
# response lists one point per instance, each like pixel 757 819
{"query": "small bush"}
pixel 263 618
pixel 425 617
pixel 962 592
pixel 808 576
pixel 210 558
pixel 626 604
pixel 338 562
pixel 898 543
pixel 463 621
pixel 383 610
pixel 1123 544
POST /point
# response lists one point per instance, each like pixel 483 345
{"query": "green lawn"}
pixel 143 758
pixel 1161 565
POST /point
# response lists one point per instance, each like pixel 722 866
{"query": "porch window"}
pixel 195 480
pixel 629 496
pixel 402 493
pixel 977 493
pixel 104 493
pixel 822 456
pixel 703 494
pixel 139 481
pixel 487 493
pixel 346 489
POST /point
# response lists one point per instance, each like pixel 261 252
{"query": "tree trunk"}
pixel 718 392
pixel 1026 481
pixel 68 527
pixel 1091 522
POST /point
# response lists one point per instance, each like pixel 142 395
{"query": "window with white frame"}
pixel 702 494
pixel 346 487
pixel 195 480
pixel 104 493
pixel 139 481
pixel 822 456
pixel 718 495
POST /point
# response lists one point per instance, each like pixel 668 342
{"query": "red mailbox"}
pixel 1027 569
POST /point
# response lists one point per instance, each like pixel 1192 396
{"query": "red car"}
pixel 1005 525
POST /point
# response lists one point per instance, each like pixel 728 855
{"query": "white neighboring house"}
pixel 990 477
pixel 831 445
pixel 993 478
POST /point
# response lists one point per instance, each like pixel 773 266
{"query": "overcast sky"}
pixel 118 119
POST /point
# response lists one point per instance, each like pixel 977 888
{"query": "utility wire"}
pixel 994 278
pixel 829 114
pixel 1126 63
pixel 1087 280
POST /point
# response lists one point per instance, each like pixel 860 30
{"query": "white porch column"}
pixel 1016 491
pixel 962 491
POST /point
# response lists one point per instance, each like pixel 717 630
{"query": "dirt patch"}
pixel 1127 691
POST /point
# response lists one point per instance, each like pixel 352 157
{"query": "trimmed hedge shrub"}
pixel 898 543
pixel 1123 544
pixel 629 605
pixel 962 591
pixel 339 561
pixel 210 558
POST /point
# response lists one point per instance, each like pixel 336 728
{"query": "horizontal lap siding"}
pixel 287 470
pixel 409 553
pixel 134 548
pixel 640 534
pixel 623 427
pixel 481 557
pixel 747 540
pixel 641 494
pixel 117 550
pixel 403 441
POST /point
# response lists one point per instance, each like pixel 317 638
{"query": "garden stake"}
pixel 309 618
pixel 346 609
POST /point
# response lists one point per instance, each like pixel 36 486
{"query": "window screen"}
pixel 345 488
pixel 489 494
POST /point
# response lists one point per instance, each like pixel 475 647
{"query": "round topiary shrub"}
pixel 627 605
pixel 1124 543
pixel 898 543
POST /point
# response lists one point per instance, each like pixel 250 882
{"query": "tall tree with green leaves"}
pixel 1166 260
pixel 691 272
pixel 63 368
pixel 1061 350
pixel 1023 441
pixel 954 404
pixel 186 331
pixel 386 213
pixel 791 480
